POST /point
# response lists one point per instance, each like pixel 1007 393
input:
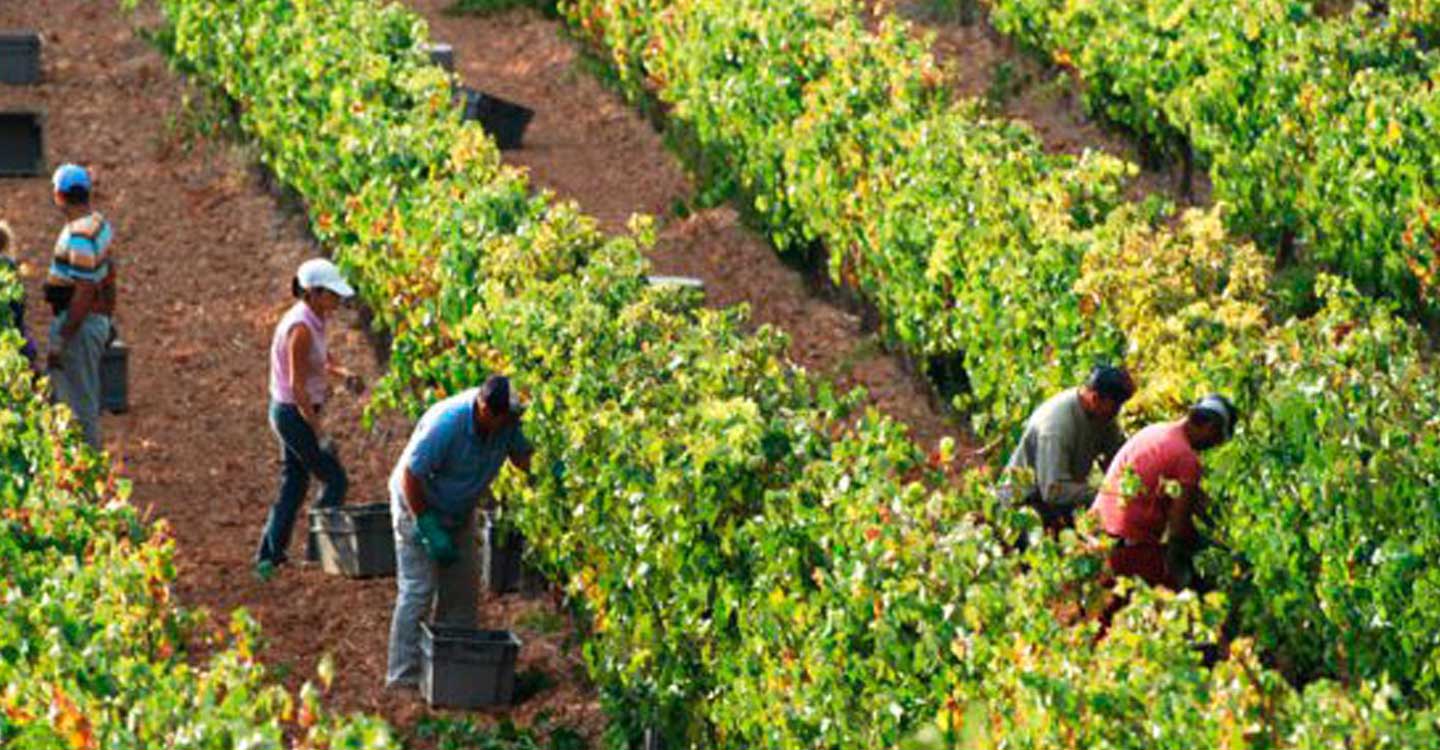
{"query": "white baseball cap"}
pixel 323 274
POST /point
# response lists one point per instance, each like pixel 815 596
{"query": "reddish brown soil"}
pixel 587 144
pixel 207 253
pixel 1039 95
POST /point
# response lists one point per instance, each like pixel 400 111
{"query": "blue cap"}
pixel 71 177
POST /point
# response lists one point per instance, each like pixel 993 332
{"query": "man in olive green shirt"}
pixel 1062 441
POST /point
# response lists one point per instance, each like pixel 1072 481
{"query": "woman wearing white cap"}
pixel 300 366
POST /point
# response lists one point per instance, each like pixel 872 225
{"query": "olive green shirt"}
pixel 1060 445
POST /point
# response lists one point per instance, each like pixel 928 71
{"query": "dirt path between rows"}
pixel 206 257
pixel 588 145
pixel 206 252
pixel 981 63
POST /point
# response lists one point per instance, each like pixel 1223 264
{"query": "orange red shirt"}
pixel 1150 461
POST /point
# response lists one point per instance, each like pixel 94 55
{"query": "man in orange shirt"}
pixel 1152 490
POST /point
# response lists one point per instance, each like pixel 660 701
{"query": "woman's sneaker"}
pixel 266 569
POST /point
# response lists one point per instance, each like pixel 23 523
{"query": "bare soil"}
pixel 589 145
pixel 206 251
pixel 206 254
pixel 981 63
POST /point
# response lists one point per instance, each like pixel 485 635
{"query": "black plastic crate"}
pixel 19 57
pixel 442 55
pixel 22 144
pixel 502 560
pixel 467 668
pixel 115 377
pixel 504 121
pixel 356 541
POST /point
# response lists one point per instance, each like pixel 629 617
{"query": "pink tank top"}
pixel 315 387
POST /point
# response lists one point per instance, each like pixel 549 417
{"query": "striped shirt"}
pixel 83 251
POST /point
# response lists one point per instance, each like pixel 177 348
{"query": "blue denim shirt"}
pixel 454 462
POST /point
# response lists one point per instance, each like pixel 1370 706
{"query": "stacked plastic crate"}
pixel 22 131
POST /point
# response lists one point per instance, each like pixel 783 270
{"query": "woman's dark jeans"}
pixel 301 455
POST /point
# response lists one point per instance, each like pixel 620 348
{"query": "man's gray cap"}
pixel 1222 409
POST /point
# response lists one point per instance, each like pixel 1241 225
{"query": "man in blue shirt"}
pixel 456 451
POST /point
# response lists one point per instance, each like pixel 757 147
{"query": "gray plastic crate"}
pixel 115 377
pixel 683 282
pixel 22 144
pixel 466 668
pixel 19 58
pixel 356 541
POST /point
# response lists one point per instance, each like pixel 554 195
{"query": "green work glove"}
pixel 431 534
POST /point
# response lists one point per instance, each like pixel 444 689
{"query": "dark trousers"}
pixel 1146 561
pixel 300 456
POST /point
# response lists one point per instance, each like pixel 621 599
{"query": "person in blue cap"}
pixel 80 289
pixel 456 451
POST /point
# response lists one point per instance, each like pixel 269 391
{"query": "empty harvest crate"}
pixel 19 57
pixel 356 541
pixel 505 121
pixel 466 668
pixel 22 144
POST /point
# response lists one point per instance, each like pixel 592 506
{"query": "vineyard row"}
pixel 758 568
